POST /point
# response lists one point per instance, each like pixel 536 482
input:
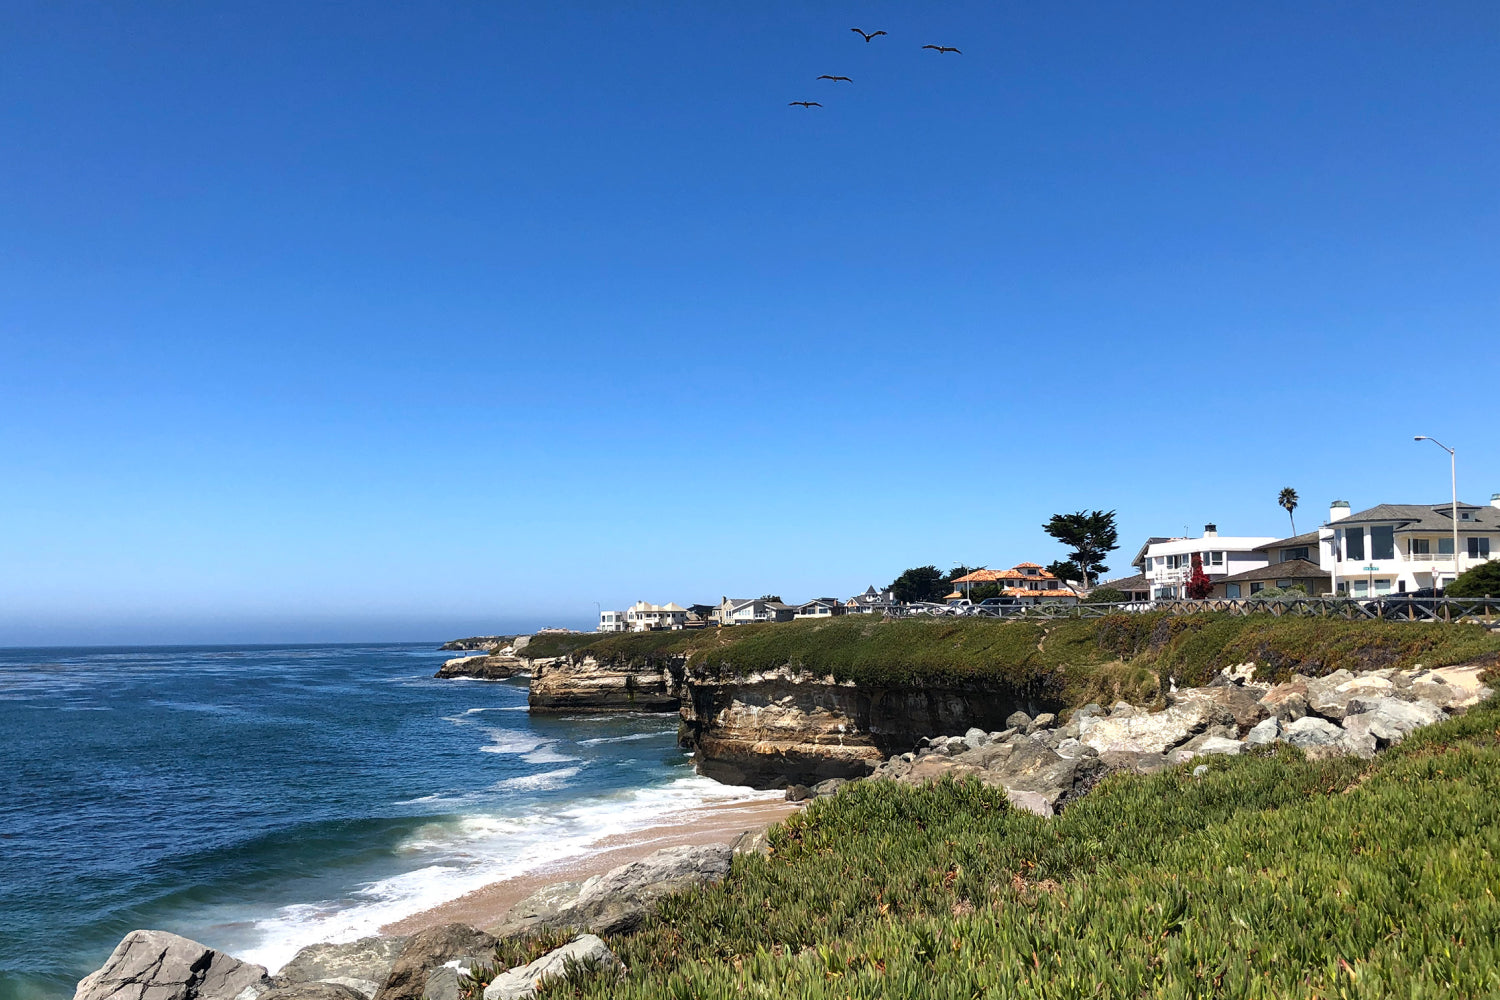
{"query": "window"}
pixel 1479 548
pixel 1445 546
pixel 1361 588
pixel 1256 588
pixel 1354 543
pixel 1231 590
pixel 1382 586
pixel 1465 515
pixel 1418 548
pixel 1283 584
pixel 1382 542
pixel 1287 555
pixel 1214 558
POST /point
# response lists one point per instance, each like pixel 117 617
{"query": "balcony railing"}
pixel 1446 557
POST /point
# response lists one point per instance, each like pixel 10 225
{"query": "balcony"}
pixel 1427 557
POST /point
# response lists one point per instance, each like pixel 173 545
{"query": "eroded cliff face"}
pixel 785 727
pixel 558 684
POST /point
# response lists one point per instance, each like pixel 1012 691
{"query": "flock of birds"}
pixel 867 36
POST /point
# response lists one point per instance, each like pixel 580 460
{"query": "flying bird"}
pixel 825 76
pixel 803 104
pixel 867 34
pixel 940 49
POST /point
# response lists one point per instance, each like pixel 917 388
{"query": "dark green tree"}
pixel 1106 595
pixel 921 583
pixel 1481 581
pixel 1064 569
pixel 1090 535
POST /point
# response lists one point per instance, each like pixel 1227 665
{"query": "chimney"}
pixel 1495 499
pixel 1210 531
pixel 1338 510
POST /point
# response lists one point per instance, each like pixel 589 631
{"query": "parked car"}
pixel 997 607
pixel 1416 604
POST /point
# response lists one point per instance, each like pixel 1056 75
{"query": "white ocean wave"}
pixel 477 849
pixel 624 739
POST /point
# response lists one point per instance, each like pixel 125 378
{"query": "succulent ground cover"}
pixel 1131 650
pixel 1269 875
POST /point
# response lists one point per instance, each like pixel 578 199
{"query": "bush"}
pixel 1481 581
pixel 1105 595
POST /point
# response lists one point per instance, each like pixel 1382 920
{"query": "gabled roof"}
pixel 1127 583
pixel 1309 539
pixel 1140 557
pixel 1292 569
pixel 1424 517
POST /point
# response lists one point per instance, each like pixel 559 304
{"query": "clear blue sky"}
pixel 342 321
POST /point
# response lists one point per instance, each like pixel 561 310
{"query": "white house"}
pixel 613 621
pixel 748 610
pixel 1399 548
pixel 819 607
pixel 1167 563
pixel 643 617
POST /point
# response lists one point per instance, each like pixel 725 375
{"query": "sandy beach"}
pixel 488 906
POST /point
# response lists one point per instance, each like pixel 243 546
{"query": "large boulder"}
pixel 156 965
pixel 1266 731
pixel 1312 732
pixel 1330 696
pixel 619 900
pixel 425 951
pixel 1241 705
pixel 1452 689
pixel 354 963
pixel 1154 732
pixel 586 953
pixel 1389 720
pixel 1287 702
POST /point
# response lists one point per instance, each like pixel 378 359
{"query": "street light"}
pixel 1453 463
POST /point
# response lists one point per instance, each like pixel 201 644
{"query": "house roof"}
pixel 1309 538
pixel 1140 556
pixel 996 575
pixel 1128 583
pixel 1425 517
pixel 1023 592
pixel 1292 569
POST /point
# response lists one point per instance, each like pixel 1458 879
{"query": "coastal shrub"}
pixel 1480 581
pixel 1271 875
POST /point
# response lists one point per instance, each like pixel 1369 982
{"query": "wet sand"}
pixel 486 907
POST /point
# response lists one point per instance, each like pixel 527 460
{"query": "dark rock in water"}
pixel 491 667
pixel 368 960
pixel 156 965
pixel 314 991
pixel 425 951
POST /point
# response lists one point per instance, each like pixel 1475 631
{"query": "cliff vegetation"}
pixel 1270 875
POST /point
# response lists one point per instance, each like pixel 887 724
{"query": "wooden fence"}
pixel 1396 607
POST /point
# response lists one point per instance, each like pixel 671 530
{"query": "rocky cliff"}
pixel 562 684
pixel 783 727
pixel 487 667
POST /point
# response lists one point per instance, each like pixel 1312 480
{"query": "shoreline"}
pixel 487 906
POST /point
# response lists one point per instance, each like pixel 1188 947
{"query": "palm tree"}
pixel 1288 500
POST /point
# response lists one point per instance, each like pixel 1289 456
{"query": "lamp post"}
pixel 1453 464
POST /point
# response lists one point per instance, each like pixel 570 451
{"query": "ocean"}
pixel 259 799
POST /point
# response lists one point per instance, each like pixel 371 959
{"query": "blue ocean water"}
pixel 259 799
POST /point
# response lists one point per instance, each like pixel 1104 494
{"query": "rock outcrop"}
pixel 782 727
pixel 620 899
pixel 156 965
pixel 559 684
pixel 488 667
pixel 425 951
pixel 487 643
pixel 585 954
pixel 362 965
pixel 1043 768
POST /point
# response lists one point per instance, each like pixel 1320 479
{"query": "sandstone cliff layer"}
pixel 558 684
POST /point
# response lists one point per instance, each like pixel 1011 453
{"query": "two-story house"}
pixel 749 610
pixel 1290 562
pixel 613 621
pixel 1167 563
pixel 643 617
pixel 872 601
pixel 1399 548
pixel 820 607
pixel 1028 582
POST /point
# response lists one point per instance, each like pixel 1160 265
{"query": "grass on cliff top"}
pixel 1069 660
pixel 1270 876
